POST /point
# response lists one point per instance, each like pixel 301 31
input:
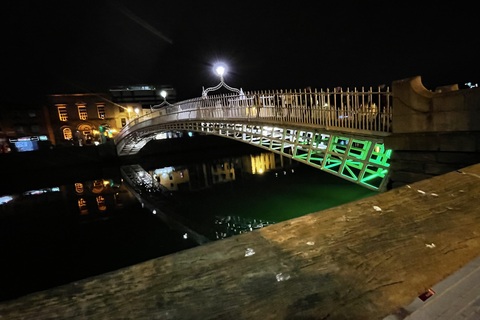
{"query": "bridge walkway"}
pixel 340 132
pixel 367 112
pixel 363 260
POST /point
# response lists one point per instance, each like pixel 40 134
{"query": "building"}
pixel 95 118
pixel 87 118
pixel 148 96
pixel 78 119
pixel 23 128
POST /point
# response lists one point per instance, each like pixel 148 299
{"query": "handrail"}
pixel 367 110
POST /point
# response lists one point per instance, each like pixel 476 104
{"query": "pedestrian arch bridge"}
pixel 338 131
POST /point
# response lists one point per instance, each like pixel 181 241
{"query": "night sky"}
pixel 72 46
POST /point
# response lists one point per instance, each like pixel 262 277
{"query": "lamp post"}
pixel 163 93
pixel 220 71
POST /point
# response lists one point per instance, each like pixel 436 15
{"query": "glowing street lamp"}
pixel 220 70
pixel 163 93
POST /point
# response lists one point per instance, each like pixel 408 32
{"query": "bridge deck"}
pixel 363 260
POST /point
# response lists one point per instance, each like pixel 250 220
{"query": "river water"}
pixel 76 229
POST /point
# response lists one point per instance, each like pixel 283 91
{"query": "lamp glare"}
pixel 220 70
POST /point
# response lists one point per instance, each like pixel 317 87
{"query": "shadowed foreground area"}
pixel 363 260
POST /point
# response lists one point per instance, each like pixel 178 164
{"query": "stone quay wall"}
pixel 434 132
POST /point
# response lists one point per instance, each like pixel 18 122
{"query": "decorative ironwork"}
pixel 220 71
pixel 340 132
pixel 163 93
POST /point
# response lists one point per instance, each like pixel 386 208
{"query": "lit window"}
pixel 101 111
pixel 35 128
pixel 97 186
pixel 82 206
pixel 67 134
pixel 82 112
pixel 101 203
pixel 62 113
pixel 79 188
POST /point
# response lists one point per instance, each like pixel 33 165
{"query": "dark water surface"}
pixel 80 228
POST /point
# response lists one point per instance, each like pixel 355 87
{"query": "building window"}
pixel 82 112
pixel 101 203
pixel 62 113
pixel 67 134
pixel 79 188
pixel 34 128
pixel 82 206
pixel 101 111
pixel 124 122
pixel 19 130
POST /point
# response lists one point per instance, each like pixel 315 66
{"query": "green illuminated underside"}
pixel 361 161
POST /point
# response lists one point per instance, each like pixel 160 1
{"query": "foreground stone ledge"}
pixel 363 260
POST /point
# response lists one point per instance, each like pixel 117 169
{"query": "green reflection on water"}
pixel 274 197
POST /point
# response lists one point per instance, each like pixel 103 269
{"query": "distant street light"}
pixel 163 93
pixel 220 70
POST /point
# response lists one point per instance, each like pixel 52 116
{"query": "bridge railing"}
pixel 366 109
pixel 369 110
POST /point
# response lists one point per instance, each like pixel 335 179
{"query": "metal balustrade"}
pixel 338 131
pixel 366 111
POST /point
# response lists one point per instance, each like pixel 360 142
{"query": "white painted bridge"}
pixel 338 131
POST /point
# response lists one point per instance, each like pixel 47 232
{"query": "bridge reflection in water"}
pixel 340 132
pixel 233 195
pixel 82 228
pixel 57 234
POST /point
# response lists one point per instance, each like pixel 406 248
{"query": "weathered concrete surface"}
pixel 363 260
pixel 419 110
pixel 433 132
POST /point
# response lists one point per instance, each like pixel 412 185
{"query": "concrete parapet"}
pixel 417 109
pixel 429 127
pixel 363 260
